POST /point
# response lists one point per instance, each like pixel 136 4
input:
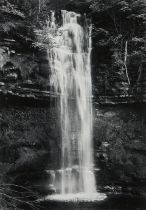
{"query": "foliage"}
pixel 116 24
pixel 10 9
pixel 126 24
pixel 13 24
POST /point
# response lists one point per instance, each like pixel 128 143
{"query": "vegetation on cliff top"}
pixel 119 43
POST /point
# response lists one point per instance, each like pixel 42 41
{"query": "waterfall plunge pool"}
pixel 77 197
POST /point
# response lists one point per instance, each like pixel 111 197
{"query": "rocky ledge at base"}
pixel 24 96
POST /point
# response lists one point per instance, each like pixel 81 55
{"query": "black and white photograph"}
pixel 72 104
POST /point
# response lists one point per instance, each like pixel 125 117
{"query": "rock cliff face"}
pixel 30 134
pixel 29 138
pixel 30 128
pixel 26 75
pixel 30 147
pixel 23 75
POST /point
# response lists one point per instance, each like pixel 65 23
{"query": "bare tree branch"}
pixel 125 62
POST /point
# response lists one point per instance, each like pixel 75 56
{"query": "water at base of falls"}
pixel 71 77
pixel 78 197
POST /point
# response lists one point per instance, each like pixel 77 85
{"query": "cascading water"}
pixel 71 78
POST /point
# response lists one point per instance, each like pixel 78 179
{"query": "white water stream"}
pixel 71 78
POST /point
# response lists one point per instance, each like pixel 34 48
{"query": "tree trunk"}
pixel 125 63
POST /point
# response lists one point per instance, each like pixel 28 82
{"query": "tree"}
pixel 118 32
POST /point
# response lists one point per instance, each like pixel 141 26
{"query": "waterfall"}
pixel 71 78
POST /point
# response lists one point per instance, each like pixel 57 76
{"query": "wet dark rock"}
pixel 26 141
pixel 120 146
pixel 30 159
